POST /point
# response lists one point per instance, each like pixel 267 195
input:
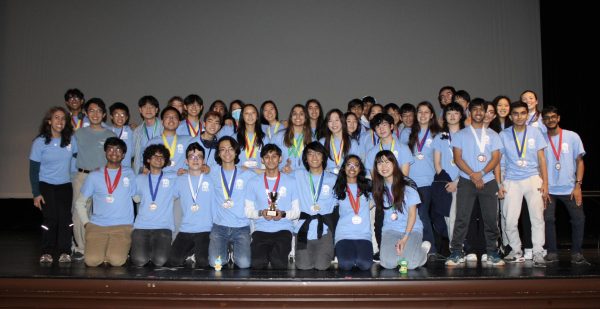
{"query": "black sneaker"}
pixel 376 257
pixel 578 259
pixel 77 256
pixel 551 257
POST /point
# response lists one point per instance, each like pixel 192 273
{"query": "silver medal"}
pixel 394 216
pixel 420 156
pixel 481 158
pixel 195 207
pixel 153 206
pixel 315 207
pixel 557 165
pixel 110 199
pixel 356 219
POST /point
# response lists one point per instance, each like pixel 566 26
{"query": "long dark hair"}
pixel 495 123
pixel 434 126
pixel 507 121
pixel 319 129
pixel 398 184
pixel 241 132
pixel 328 135
pixel 46 128
pixel 364 184
pixel 288 137
pixel 262 112
pixel 356 134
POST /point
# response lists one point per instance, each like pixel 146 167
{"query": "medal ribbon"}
pixel 296 150
pixel 534 116
pixel 77 125
pixel 275 187
pixel 391 148
pixel 355 203
pixel 556 153
pixel 250 151
pixel 522 147
pixel 422 141
pixel 193 130
pixel 274 130
pixel 480 141
pixel 154 190
pixel 337 157
pixel 315 193
pixel 170 147
pixel 110 187
pixel 194 193
pixel 228 189
pixel 389 196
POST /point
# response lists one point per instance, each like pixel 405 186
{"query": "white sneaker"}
pixel 471 257
pixel 484 258
pixel 528 254
pixel 425 247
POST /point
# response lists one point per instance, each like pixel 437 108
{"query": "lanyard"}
pixel 521 148
pixel 77 125
pixel 533 118
pixel 391 148
pixel 228 188
pixel 170 147
pixel 274 130
pixel 250 151
pixel 154 189
pixel 111 186
pixel 390 197
pixel 315 193
pixel 355 203
pixel 153 130
pixel 296 150
pixel 337 157
pixel 556 153
pixel 192 191
pixel 422 141
pixel 480 141
pixel 275 187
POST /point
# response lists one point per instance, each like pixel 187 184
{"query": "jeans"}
pixel 150 246
pixel 221 237
pixel 354 252
pixel 577 223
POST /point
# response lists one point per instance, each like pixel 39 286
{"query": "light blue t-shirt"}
pixel 368 140
pixel 178 159
pixel 422 171
pixel 465 141
pixel 226 131
pixel 55 161
pixel 195 219
pixel 105 213
pixel 251 159
pixel 444 147
pixel 562 181
pixel 209 153
pixel 537 123
pixel 326 199
pixel 193 131
pixel 411 199
pixel 141 135
pixel 256 193
pixel 331 166
pixel 161 216
pixel 234 216
pixel 400 151
pixel 125 134
pixel 534 141
pixel 290 153
pixel 271 131
pixel 345 228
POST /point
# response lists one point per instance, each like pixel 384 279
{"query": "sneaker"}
pixel 77 256
pixel 455 258
pixel 493 259
pixel 191 259
pixel 471 257
pixel 46 258
pixel 484 258
pixel 515 257
pixel 528 254
pixel 64 258
pixel 538 260
pixel 376 257
pixel 433 257
pixel 551 257
pixel 425 247
pixel 577 258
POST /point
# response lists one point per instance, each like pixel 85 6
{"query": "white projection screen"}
pixel 287 51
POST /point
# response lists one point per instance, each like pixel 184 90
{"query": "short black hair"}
pixel 170 108
pixel 153 149
pixel 192 98
pixel 408 108
pixel 269 148
pixel 369 99
pixel 96 101
pixel 194 146
pixel 550 109
pixel 379 118
pixel 234 144
pixel 119 105
pixel 73 93
pixel 148 99
pixel 463 94
pixel 518 104
pixel 115 141
pixel 355 102
pixel 479 102
pixel 314 146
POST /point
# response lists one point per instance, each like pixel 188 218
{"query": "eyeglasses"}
pixel 195 158
pixel 550 117
pixel 158 157
pixel 114 149
pixel 351 165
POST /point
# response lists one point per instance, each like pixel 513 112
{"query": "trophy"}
pixel 272 211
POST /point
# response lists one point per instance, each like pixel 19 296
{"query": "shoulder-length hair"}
pixel 434 126
pixel 288 138
pixel 46 128
pixel 398 185
pixel 328 135
pixel 363 184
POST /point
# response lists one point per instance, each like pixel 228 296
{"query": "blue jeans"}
pixel 354 252
pixel 577 223
pixel 221 237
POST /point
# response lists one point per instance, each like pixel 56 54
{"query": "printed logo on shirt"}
pixel 180 148
pixel 126 181
pixel 395 153
pixel 205 186
pixel 326 189
pixel 69 147
pixel 124 135
pixel 282 191
pixel 239 184
pixel 165 183
pixel 85 124
pixel 531 143
pixel 486 140
pixel 428 142
pixel 565 148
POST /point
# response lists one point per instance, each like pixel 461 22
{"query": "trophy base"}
pixel 272 213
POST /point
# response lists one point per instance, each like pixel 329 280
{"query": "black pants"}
pixel 186 244
pixel 150 245
pixel 57 228
pixel 270 247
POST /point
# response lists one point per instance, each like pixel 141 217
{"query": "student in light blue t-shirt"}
pixel 149 129
pixel 383 125
pixel 108 229
pixel 269 119
pixel 153 226
pixel 293 140
pixel 49 174
pixel 272 202
pixel 565 177
pixel 352 189
pixel 191 125
pixel 230 224
pixel 337 141
pixel 119 114
pixel 251 138
pixel 194 191
pixel 176 144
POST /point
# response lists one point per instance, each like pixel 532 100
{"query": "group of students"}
pixel 358 186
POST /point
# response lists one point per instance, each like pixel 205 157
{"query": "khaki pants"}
pixel 107 244
pixel 78 229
